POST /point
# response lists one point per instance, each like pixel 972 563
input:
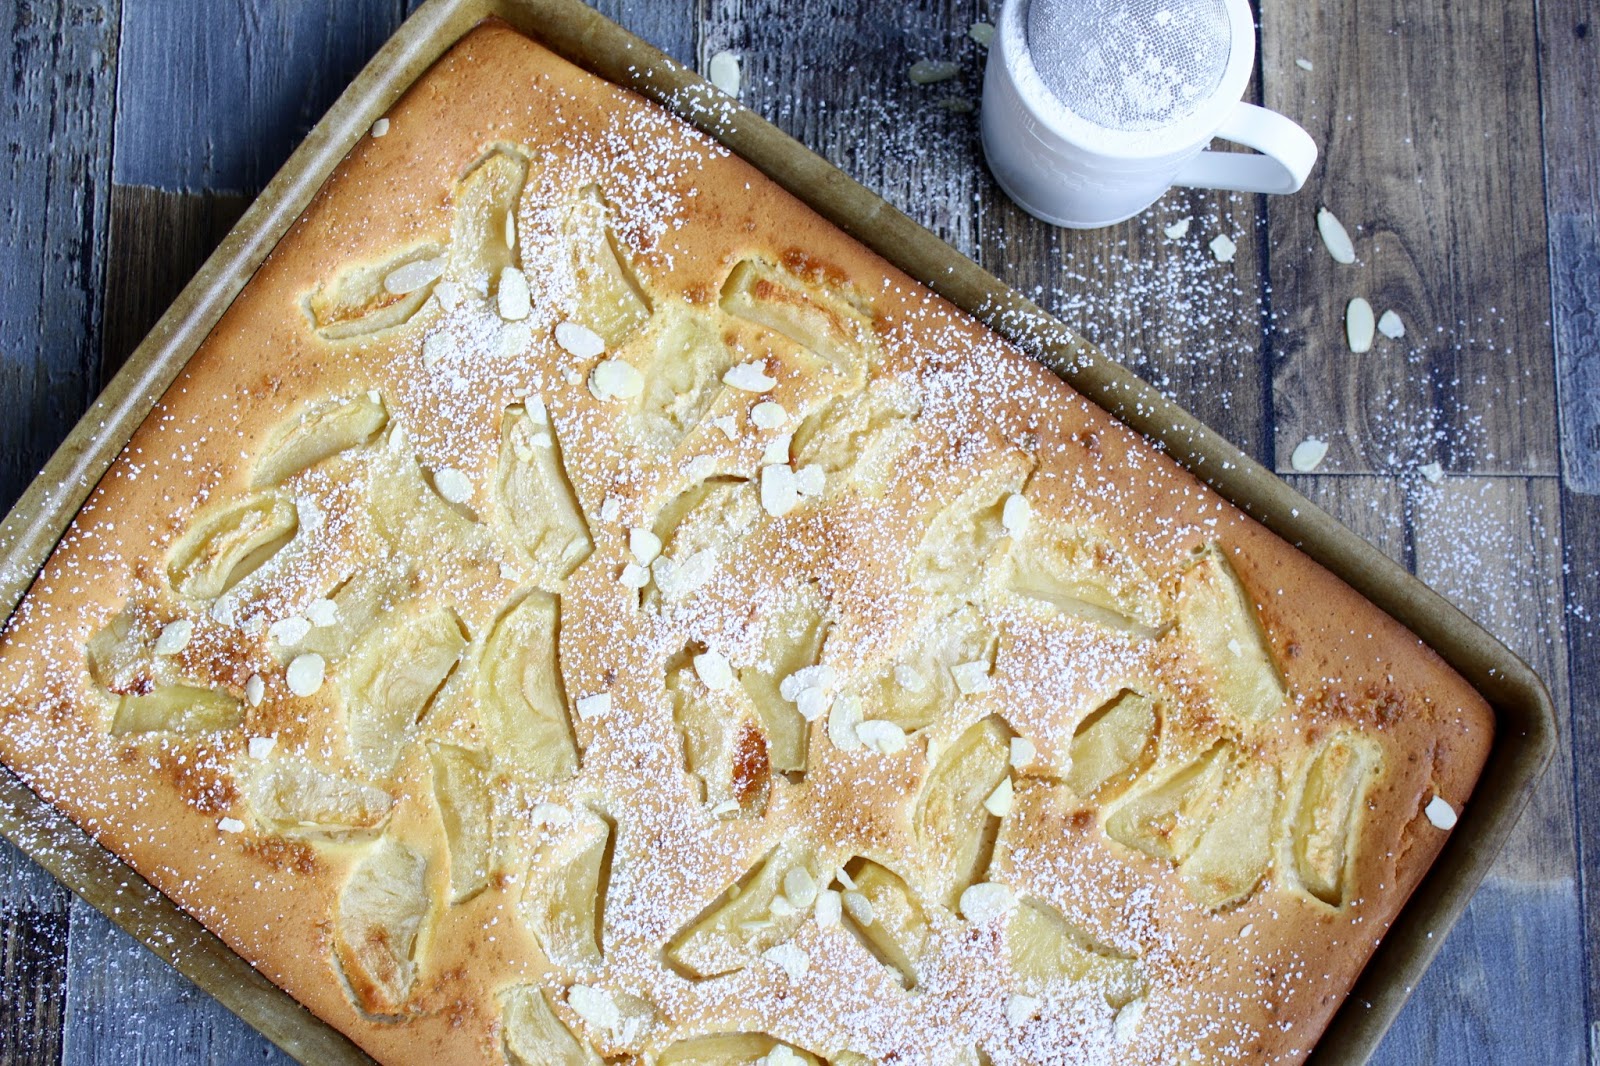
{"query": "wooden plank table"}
pixel 1459 145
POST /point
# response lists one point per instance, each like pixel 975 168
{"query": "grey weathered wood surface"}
pixel 1459 144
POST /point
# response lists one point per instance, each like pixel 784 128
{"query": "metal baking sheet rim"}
pixel 1525 717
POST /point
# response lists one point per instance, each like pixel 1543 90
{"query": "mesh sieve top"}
pixel 1130 64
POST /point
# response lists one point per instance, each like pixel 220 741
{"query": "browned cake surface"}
pixel 1019 744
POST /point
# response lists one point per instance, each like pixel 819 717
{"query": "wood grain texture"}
pixel 269 68
pixel 1581 528
pixel 1164 307
pixel 1428 119
pixel 31 985
pixel 158 240
pixel 56 118
pixel 125 1007
pixel 840 86
pixel 1569 94
pixel 1504 982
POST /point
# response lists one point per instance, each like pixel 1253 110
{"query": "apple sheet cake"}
pixel 578 605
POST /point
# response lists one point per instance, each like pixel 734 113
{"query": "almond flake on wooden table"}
pixel 1224 248
pixel 1177 229
pixel 1335 237
pixel 723 71
pixel 1308 455
pixel 1391 325
pixel 1358 325
pixel 982 32
pixel 930 71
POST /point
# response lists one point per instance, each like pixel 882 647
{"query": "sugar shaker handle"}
pixel 1287 153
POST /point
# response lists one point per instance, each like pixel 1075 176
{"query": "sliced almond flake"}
pixel 882 736
pixel 859 907
pixel 380 128
pixel 790 959
pixel 1000 800
pixel 777 451
pixel 799 887
pixel 723 71
pixel 749 377
pixel 768 414
pixel 1021 1009
pixel 1303 63
pixel 812 703
pixel 509 572
pixel 829 906
pixel 843 719
pixel 174 637
pixel 409 277
pixel 511 231
pixel 781 908
pixel 589 707
pixel 810 480
pixel 701 467
pixel 634 576
pixel 543 440
pixel 595 1006
pixel 1391 325
pixel 1023 752
pixel 1434 472
pixel 305 674
pixel 982 32
pixel 1440 813
pixel 255 689
pixel 725 807
pixel 448 294
pixel 579 340
pixel 261 747
pixel 453 485
pixel 289 631
pixel 1335 237
pixel 538 413
pixel 1223 248
pixel 973 677
pixel 435 346
pixel 610 509
pixel 644 545
pixel 932 71
pixel 843 877
pixel 1016 514
pixel 819 676
pixel 986 901
pixel 615 379
pixel 1358 325
pixel 231 825
pixel 322 613
pixel 223 611
pixel 1177 229
pixel 728 425
pixel 712 668
pixel 779 492
pixel 513 300
pixel 1308 455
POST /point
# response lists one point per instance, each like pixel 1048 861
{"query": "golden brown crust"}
pixel 1253 978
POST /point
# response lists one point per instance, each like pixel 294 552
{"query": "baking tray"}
pixel 1525 718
